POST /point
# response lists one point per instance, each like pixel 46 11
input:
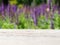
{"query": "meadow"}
pixel 29 17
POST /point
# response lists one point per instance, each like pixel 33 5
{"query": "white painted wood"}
pixel 29 37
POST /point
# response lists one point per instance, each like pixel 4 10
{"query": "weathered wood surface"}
pixel 29 37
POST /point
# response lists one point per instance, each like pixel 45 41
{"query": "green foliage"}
pixel 22 21
pixel 43 23
pixel 0 1
pixel 25 2
pixel 37 2
pixel 19 2
pixel 29 2
pixel 1 22
pixel 13 2
pixel 57 21
pixel 8 26
pixel 25 23
pixel 28 23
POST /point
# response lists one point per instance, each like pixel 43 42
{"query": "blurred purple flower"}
pixel 55 8
pixel 43 8
pixel 8 10
pixel 19 10
pixel 14 8
pixel 2 9
pixel 33 16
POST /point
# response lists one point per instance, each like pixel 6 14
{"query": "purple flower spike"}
pixel 33 16
pixel 8 10
pixel 55 8
pixel 2 9
pixel 14 8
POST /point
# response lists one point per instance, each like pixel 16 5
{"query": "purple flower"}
pixel 43 8
pixel 2 9
pixel 55 8
pixel 8 10
pixel 19 11
pixel 59 11
pixel 14 8
pixel 33 17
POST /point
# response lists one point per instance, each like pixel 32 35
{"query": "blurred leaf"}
pixel 8 26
